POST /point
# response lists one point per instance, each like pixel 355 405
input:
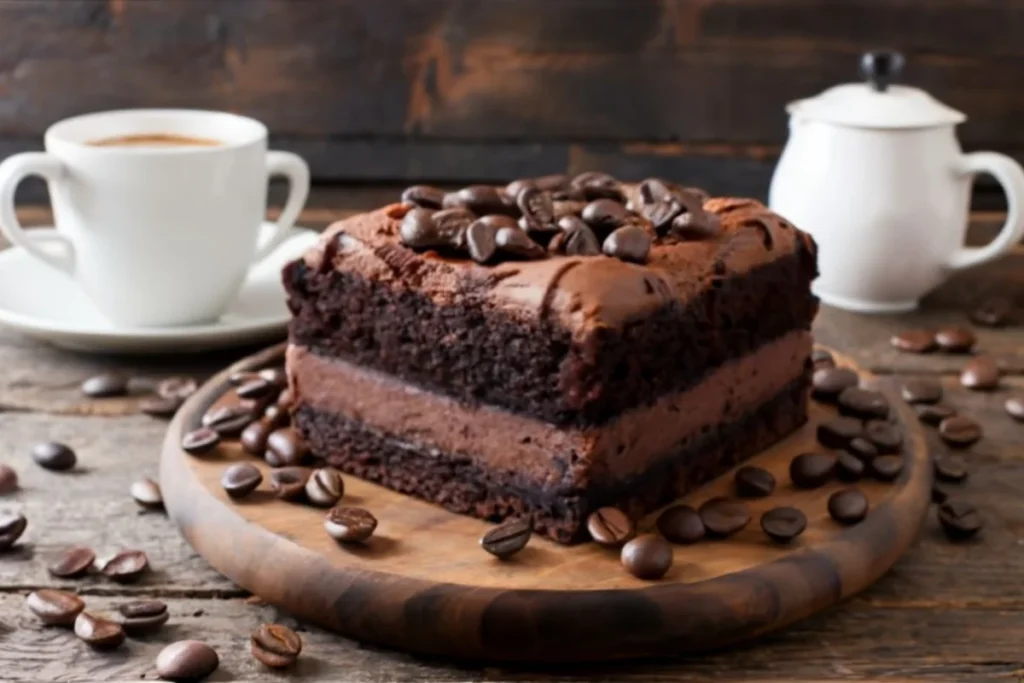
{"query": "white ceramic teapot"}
pixel 875 173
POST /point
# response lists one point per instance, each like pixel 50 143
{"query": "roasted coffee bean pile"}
pixel 586 215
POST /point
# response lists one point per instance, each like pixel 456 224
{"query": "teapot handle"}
pixel 1009 174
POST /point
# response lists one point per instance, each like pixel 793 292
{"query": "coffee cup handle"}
pixel 1009 174
pixel 292 167
pixel 13 170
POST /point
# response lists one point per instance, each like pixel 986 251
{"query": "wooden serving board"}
pixel 423 584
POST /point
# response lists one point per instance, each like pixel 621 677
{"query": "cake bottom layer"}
pixel 462 486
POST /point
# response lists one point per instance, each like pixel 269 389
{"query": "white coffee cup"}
pixel 156 235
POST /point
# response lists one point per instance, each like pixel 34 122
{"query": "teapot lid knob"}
pixel 881 67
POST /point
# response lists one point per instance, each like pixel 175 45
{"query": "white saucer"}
pixel 46 304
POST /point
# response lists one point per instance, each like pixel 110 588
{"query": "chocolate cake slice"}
pixel 553 346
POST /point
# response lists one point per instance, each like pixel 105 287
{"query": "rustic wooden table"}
pixel 945 612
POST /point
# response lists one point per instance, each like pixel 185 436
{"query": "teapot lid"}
pixel 876 103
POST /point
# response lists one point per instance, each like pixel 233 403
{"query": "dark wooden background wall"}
pixel 457 90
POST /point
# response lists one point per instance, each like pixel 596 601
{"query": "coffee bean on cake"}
pixel 921 391
pixel 995 311
pixel 424 196
pixel 955 339
pixel 885 436
pixel 886 467
pixel 105 385
pixel 98 632
pixel 1014 406
pixel 933 414
pixel 480 240
pixel 981 374
pixel 507 539
pixel 647 557
pixel 914 341
pixel 949 468
pixel 811 470
pixel 960 431
pixel 828 382
pixel 275 645
pixel 579 239
pixel 696 225
pixel 54 607
pixel 628 243
pixel 479 199
pixel 723 517
pixel 848 506
pixel 200 441
pixel 72 562
pixel 240 479
pixel 783 524
pixel 604 215
pixel 753 482
pixel 681 524
pixel 514 243
pixel 849 467
pixel 959 519
pixel 655 191
pixel 863 403
pixel 839 431
pixel 8 479
pixel 52 455
pixel 12 526
pixel 661 214
pixel 353 524
pixel 596 185
pixel 610 526
pixel 538 212
pixel 289 483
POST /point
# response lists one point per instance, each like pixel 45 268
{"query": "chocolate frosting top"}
pixel 583 292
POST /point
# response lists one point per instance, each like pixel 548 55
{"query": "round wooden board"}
pixel 423 584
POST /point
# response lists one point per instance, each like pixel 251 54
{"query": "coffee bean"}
pixel 143 617
pixel 1014 408
pixel 950 468
pixel 723 517
pixel 480 199
pixel 285 448
pixel 8 479
pixel 350 524
pixel 628 243
pixel 275 375
pixel 939 496
pixel 921 391
pixel 862 403
pixel 515 242
pixel 933 414
pixel 849 467
pixel 228 419
pixel 423 196
pixel 959 431
pixel 610 526
pixel 54 607
pixel 655 190
pixel 289 483
pixel 822 358
pixel 537 209
pixel 994 312
pixel 418 231
pixel 981 374
pixel 480 240
pixel 186 660
pixel 275 416
pixel 275 645
pixel 661 214
pixel 12 526
pixel 862 449
pixel 839 431
pixel 284 399
pixel 604 215
pixel 960 520
pixel 581 240
pixel 886 467
pixel 158 406
pixel 200 441
pixel 126 566
pixel 596 185
pixel 681 524
pixel 783 524
pixel 647 557
pixel 146 493
pixel 178 388
pixel 914 341
pixel 753 482
pixel 240 479
pixel 955 339
pixel 508 539
pixel 97 632
pixel 696 225
pixel 105 385
pixel 254 437
pixel 886 437
pixel 848 506
pixel 325 487
pixel 72 562
pixel 54 456
pixel 811 470
pixel 827 382
pixel 257 388
pixel 241 377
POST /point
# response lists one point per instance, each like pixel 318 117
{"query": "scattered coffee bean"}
pixel 54 607
pixel 849 467
pixel 886 436
pixel 54 456
pixel 681 524
pixel 955 339
pixel 146 493
pixel 939 495
pixel 254 437
pixel 783 524
pixel 105 385
pixel 914 341
pixel 921 391
pixel 159 406
pixel 11 529
pixel 257 388
pixel 276 416
pixel 8 479
pixel 981 374
pixel 515 242
pixel 275 645
pixel 811 470
pixel 827 382
pixel 186 660
pixel 1015 407
pixel 723 517
pixel 350 524
pixel 178 388
pixel 960 520
pixel 289 483
pixel 950 468
pixel 285 448
pixel 481 240
pixel 200 441
pixel 628 243
pixel 959 431
pixel 325 487
pixel 822 358
pixel 72 562
pixel 862 449
pixel 933 414
pixel 994 312
pixel 863 403
pixel 886 467
pixel 423 196
pixel 610 526
pixel 647 557
pixel 240 479
pixel 753 482
pixel 143 617
pixel 228 419
pixel 126 566
pixel 97 632
pixel 839 431
pixel 848 506
pixel 508 539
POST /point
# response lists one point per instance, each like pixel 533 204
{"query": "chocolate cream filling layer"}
pixel 555 458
